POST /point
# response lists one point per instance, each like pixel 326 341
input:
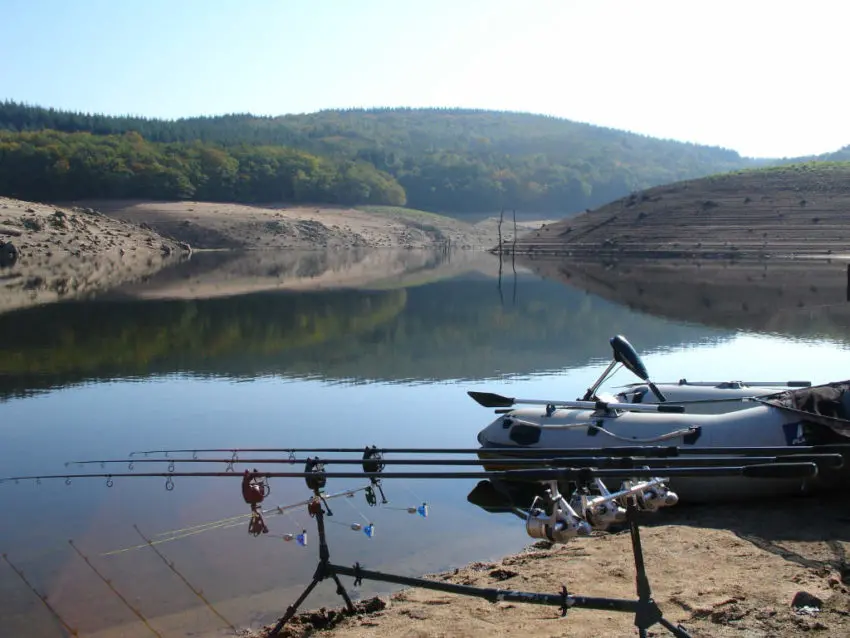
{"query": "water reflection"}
pixel 799 297
pixel 383 358
pixel 456 328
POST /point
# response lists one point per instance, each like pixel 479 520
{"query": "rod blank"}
pixel 789 470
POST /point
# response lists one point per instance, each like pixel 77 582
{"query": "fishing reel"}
pixel 316 479
pixel 652 495
pixel 372 465
pixel 555 521
pixel 608 508
pixel 600 510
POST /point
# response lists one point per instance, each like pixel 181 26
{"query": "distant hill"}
pixel 782 210
pixel 442 160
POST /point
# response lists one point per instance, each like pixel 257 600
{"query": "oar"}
pixel 492 400
pixel 754 384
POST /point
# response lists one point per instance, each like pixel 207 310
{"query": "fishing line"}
pixel 115 591
pixel 197 592
pixel 410 491
pixel 70 630
pixel 369 528
pixel 227 523
pixel 359 513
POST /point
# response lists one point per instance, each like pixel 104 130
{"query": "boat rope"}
pixel 115 591
pixel 655 439
pixel 197 592
pixel 575 426
pixel 70 630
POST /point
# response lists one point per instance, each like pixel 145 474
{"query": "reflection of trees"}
pixel 445 330
pixel 95 339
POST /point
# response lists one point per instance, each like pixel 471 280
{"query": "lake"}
pixel 385 360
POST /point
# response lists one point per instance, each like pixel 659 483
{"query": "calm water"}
pixel 385 364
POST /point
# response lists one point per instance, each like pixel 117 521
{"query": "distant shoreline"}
pixel 82 248
pixel 783 212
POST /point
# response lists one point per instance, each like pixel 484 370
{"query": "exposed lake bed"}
pixel 350 365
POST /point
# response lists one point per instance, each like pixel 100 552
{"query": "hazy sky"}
pixel 763 78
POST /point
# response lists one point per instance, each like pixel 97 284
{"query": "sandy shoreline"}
pixel 88 247
pixel 66 253
pixel 717 571
pixel 276 226
pixel 730 571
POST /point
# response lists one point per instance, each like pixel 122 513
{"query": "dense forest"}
pixel 443 160
pixel 53 165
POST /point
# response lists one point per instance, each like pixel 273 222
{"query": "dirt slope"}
pixel 780 211
pixel 226 225
pixel 65 253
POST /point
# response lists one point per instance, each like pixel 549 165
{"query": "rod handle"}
pixel 781 470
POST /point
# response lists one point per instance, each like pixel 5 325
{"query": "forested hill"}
pixel 446 160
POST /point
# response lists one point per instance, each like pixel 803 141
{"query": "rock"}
pixel 11 232
pixel 503 574
pixel 185 246
pixel 33 283
pixel 165 249
pixel 805 599
pixel 8 254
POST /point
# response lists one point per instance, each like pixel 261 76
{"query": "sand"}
pixel 730 571
pixel 78 249
pixel 66 253
pixel 275 226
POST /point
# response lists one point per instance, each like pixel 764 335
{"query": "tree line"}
pixel 443 160
pixel 49 164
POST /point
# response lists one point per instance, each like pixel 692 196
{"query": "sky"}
pixel 767 79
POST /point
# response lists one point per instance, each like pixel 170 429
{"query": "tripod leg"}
pixel 677 631
pixel 290 611
pixel 648 613
pixel 341 591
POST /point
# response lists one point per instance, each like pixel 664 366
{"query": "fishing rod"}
pixel 834 460
pixel 767 470
pixel 514 450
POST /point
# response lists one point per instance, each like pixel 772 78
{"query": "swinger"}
pixel 255 488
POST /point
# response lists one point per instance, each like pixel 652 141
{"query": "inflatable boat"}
pixel 806 417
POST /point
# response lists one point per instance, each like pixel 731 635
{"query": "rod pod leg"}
pixel 323 570
pixel 648 613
